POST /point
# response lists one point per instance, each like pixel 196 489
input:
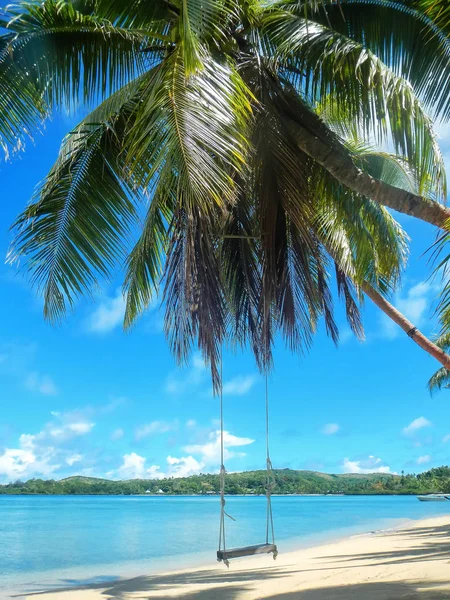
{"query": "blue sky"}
pixel 85 398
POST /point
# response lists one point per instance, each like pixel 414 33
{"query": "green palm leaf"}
pixel 411 45
pixel 439 380
pixel 384 103
pixel 75 228
pixel 91 57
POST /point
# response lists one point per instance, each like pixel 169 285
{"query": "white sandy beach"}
pixel 406 563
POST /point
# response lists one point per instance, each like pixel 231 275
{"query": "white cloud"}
pixel 415 425
pixel 208 454
pixel 238 386
pixel 74 458
pixel 195 374
pixel 184 466
pixel 154 428
pixel 43 384
pixel 133 466
pixel 108 315
pixel 44 452
pixel 21 463
pixel 191 423
pixel 413 303
pixel 423 460
pixel 446 438
pixel 117 434
pixel 210 451
pixel 330 428
pixel 372 464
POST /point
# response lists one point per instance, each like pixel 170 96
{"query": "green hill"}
pixel 286 481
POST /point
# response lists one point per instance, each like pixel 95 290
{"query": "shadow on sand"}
pixel 433 544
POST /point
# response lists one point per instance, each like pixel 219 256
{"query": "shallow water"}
pixel 62 540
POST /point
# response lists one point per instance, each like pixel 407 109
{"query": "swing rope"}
pixel 223 512
pixel 269 475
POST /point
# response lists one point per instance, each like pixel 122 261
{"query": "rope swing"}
pixel 223 554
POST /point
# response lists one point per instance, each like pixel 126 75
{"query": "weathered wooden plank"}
pixel 246 551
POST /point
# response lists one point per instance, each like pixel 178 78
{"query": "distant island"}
pixel 286 481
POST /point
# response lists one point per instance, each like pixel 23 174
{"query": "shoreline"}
pixel 217 495
pixel 387 563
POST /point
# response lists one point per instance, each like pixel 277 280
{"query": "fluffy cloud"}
pixel 209 452
pixel 330 429
pixel 372 464
pixel 43 453
pixel 184 466
pixel 416 425
pixel 108 315
pixel 133 467
pixel 155 427
pixel 423 460
pixel 238 386
pixel 23 463
pixel 198 457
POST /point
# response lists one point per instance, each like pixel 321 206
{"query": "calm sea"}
pixel 63 540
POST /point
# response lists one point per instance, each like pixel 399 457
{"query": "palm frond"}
pixel 402 35
pixel 198 123
pixel 202 21
pixel 73 57
pixel 193 291
pixel 436 10
pixel 187 145
pixel 145 264
pixel 240 253
pixel 134 14
pixel 22 106
pixel 77 225
pixel 439 380
pixel 293 270
pixel 339 70
pixel 347 290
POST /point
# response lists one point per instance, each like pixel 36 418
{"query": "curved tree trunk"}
pixel 407 326
pixel 320 144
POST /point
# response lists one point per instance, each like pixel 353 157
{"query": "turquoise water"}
pixel 60 540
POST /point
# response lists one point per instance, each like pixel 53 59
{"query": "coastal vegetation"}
pixel 286 481
pixel 227 163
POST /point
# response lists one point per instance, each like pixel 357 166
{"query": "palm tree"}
pixel 223 157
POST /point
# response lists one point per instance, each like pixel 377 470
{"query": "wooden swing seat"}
pixel 247 551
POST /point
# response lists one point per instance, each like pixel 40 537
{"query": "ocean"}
pixel 48 541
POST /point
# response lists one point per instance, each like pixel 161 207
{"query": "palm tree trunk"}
pixel 407 326
pixel 318 142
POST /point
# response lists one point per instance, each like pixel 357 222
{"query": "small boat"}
pixel 433 498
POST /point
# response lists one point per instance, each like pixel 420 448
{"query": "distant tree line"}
pixel 286 481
